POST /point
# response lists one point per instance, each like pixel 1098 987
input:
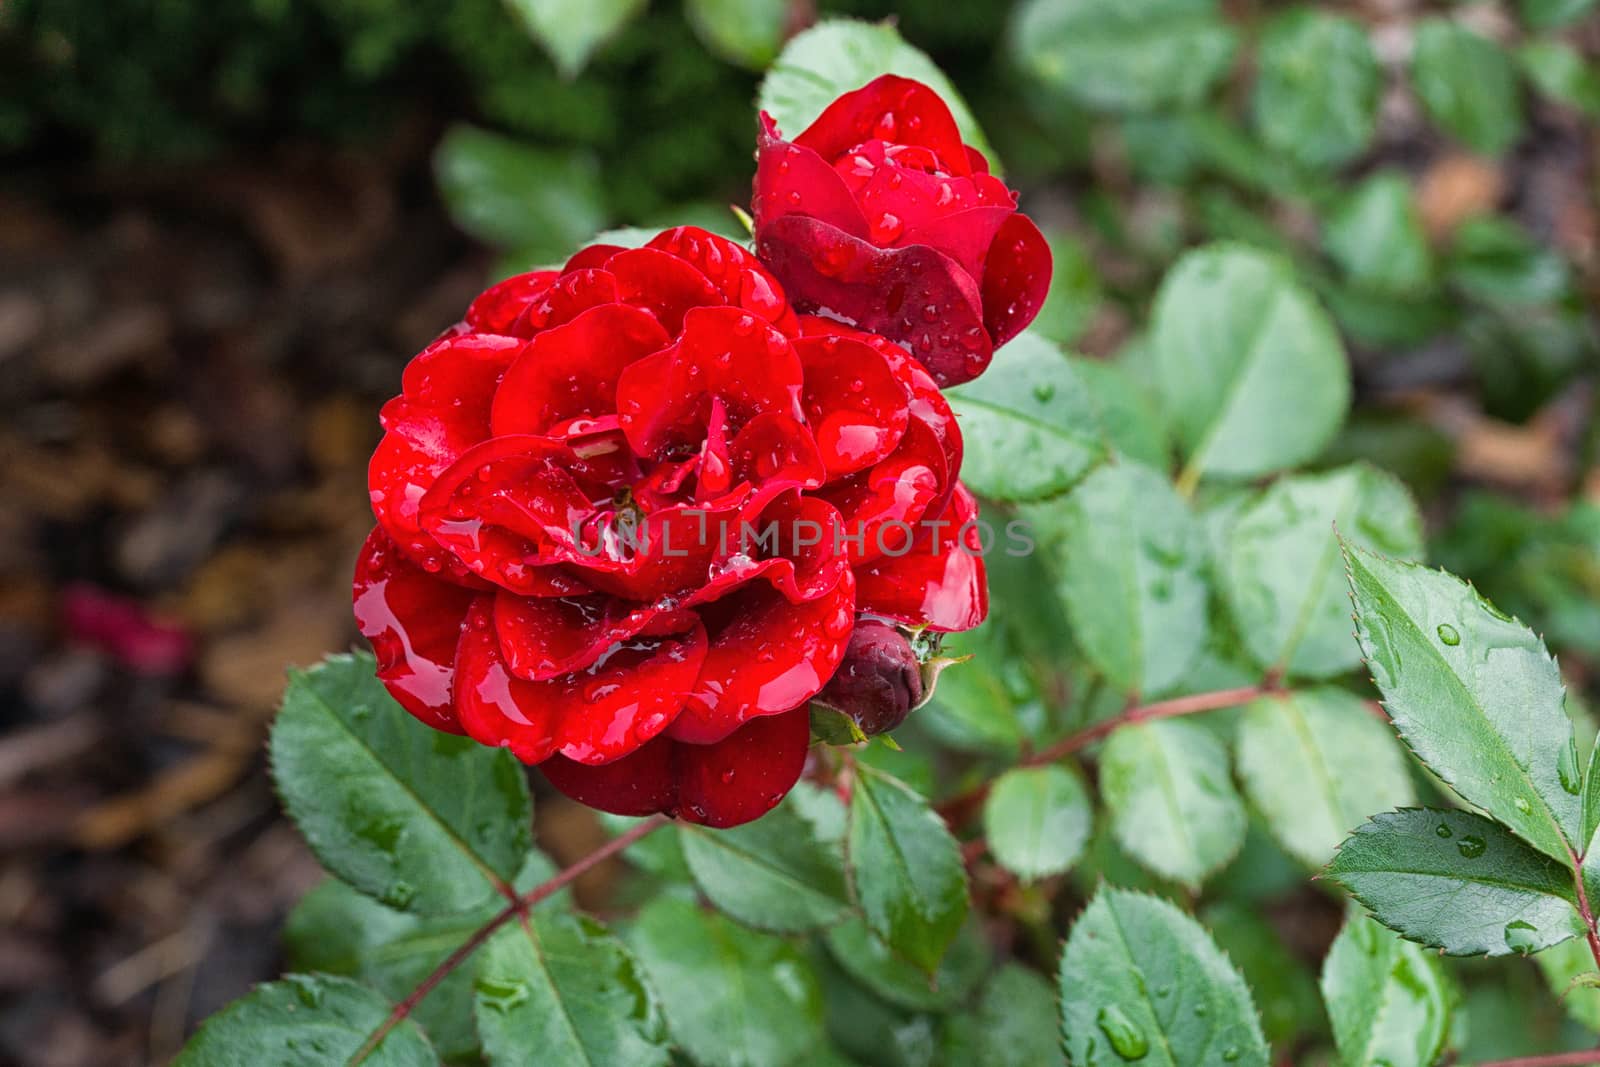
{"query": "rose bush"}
pixel 630 511
pixel 879 215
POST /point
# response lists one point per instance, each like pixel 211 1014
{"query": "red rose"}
pixel 564 495
pixel 878 215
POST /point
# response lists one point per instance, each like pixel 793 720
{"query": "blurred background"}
pixel 225 227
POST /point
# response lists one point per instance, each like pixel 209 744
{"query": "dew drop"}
pixel 1127 1040
pixel 1521 936
pixel 1449 634
pixel 1471 846
pixel 1443 830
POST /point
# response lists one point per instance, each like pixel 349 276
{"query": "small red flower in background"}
pixel 879 215
pixel 560 565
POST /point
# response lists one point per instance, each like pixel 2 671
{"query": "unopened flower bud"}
pixel 878 682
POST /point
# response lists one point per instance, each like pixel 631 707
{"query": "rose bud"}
pixel 879 216
pixel 562 493
pixel 879 681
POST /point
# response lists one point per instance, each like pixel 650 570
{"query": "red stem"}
pixel 956 806
pixel 1583 907
pixel 519 907
pixel 1551 1059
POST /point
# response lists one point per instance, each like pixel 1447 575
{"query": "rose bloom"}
pixel 879 216
pixel 562 491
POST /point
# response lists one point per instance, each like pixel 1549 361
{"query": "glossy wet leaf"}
pixel 1317 87
pixel 1251 370
pixel 422 820
pixel 1141 981
pixel 560 991
pixel 305 1020
pixel 1475 694
pixel 1467 83
pixel 775 873
pixel 905 868
pixel 514 195
pixel 1123 55
pixel 1282 572
pixel 1389 1000
pixel 1458 882
pixel 876 966
pixel 839 55
pixel 1032 401
pixel 746 32
pixel 732 997
pixel 1375 235
pixel 571 30
pixel 1037 820
pixel 1317 763
pixel 1173 805
pixel 1129 561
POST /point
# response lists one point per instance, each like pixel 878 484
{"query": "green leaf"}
pixel 1389 1001
pixel 560 991
pixel 1130 563
pixel 905 868
pixel 1591 798
pixel 872 963
pixel 1032 401
pixel 732 997
pixel 1014 1025
pixel 1317 763
pixel 1172 802
pixel 1252 372
pixel 571 30
pixel 1494 260
pixel 1127 415
pixel 1546 14
pixel 1074 295
pixel 422 820
pixel 1570 969
pixel 305 1020
pixel 1561 72
pixel 837 56
pixel 1281 564
pixel 746 32
pixel 1123 55
pixel 510 194
pixel 773 874
pixel 1037 820
pixel 1467 83
pixel 1282 985
pixel 1457 882
pixel 1475 695
pixel 1143 981
pixel 1376 236
pixel 1317 87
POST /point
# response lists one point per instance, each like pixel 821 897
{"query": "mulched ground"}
pixel 191 365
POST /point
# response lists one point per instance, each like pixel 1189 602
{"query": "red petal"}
pixel 413 621
pixel 572 370
pixel 768 654
pixel 664 400
pixel 551 636
pixel 795 180
pixel 1016 279
pixel 855 403
pixel 744 282
pixel 777 449
pixel 597 715
pixel 641 783
pixel 567 297
pixel 512 504
pixel 498 306
pixel 965 237
pixel 940 582
pixel 667 553
pixel 889 108
pixel 916 296
pixel 663 284
pixel 744 776
pixel 881 507
pixel 593 257
pixel 442 410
